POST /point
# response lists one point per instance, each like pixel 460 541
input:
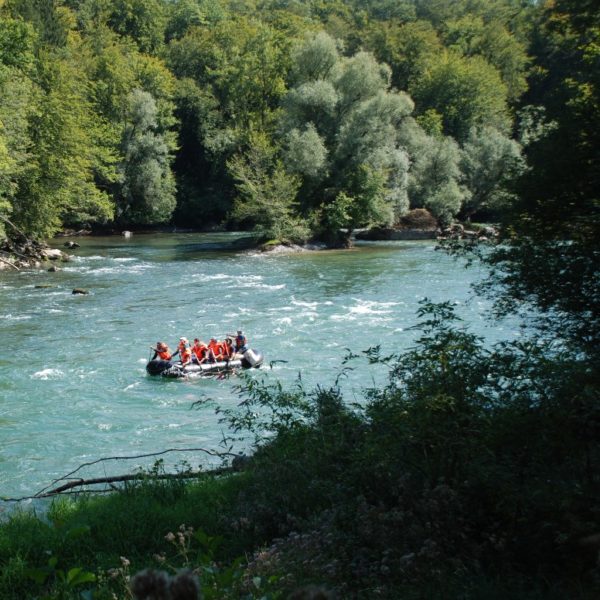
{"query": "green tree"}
pixel 66 151
pixel 490 163
pixel 435 178
pixel 266 193
pixel 306 153
pixel 347 107
pixel 472 36
pixel 147 193
pixel 141 20
pixel 466 91
pixel 549 253
pixel 408 48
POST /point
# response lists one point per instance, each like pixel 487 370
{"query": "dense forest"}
pixel 295 118
pixel 474 470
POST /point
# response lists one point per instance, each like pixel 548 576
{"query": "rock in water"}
pixel 79 291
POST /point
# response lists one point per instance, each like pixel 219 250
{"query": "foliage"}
pixel 549 252
pixel 148 188
pixel 435 178
pixel 490 163
pixel 467 91
pixel 447 469
pixel 220 73
pixel 346 107
pixel 266 193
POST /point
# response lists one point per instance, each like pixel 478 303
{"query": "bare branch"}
pixel 42 492
pixel 7 262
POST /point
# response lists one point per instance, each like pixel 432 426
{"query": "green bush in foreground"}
pixel 471 474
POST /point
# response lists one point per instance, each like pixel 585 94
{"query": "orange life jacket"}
pixel 164 355
pixel 217 349
pixel 199 350
pixel 184 352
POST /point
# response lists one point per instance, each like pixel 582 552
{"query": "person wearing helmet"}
pixel 161 351
pixel 184 350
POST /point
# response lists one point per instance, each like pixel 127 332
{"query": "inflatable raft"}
pixel 251 359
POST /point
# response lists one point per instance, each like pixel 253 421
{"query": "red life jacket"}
pixel 184 352
pixel 199 350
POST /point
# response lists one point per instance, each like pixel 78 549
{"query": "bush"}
pixel 418 218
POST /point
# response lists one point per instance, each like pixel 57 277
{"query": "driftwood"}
pixel 68 487
pixel 124 478
pixel 7 262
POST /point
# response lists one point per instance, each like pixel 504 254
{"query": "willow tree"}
pixel 147 193
pixel 490 163
pixel 356 175
pixel 435 175
pixel 266 192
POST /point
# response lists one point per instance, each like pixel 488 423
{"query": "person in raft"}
pixel 161 351
pixel 215 350
pixel 241 343
pixel 199 352
pixel 229 349
pixel 184 350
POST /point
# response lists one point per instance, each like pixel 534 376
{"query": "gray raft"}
pixel 249 360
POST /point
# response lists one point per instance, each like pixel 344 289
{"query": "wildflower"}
pixel 125 561
pixel 170 537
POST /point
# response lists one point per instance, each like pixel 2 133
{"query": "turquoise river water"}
pixel 73 387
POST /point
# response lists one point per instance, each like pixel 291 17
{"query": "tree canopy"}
pixel 127 113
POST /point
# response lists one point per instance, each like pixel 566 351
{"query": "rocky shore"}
pixel 28 254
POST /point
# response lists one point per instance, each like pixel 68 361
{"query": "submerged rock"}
pixel 80 291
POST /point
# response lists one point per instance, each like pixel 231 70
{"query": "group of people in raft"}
pixel 199 352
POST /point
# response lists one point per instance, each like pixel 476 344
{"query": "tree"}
pixel 141 20
pixel 306 153
pixel 472 36
pixel 549 252
pixel 345 106
pixel 408 48
pixel 466 91
pixel 267 194
pixel 490 162
pixel 434 176
pixel 147 193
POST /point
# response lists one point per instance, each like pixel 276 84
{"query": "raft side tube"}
pixel 252 359
pixel 156 367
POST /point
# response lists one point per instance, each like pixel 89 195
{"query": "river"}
pixel 72 382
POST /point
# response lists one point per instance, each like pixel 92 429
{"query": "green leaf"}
pixel 78 576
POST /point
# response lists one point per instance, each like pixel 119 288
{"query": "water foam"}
pixel 46 374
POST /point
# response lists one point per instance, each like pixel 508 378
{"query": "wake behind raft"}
pixel 251 359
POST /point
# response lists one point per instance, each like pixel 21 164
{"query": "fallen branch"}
pixel 7 262
pixel 124 478
pixel 43 491
pixel 8 222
